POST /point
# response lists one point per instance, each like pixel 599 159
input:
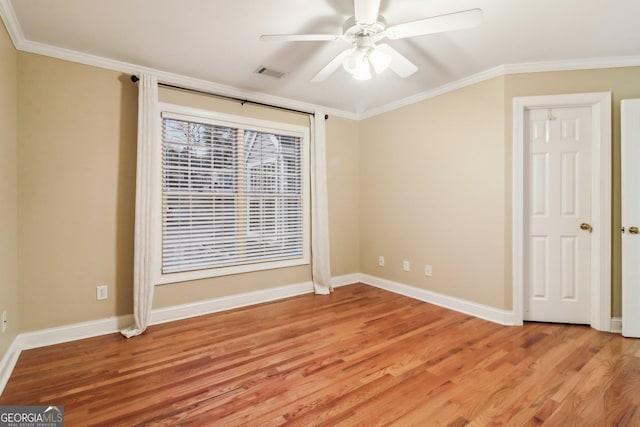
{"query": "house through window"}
pixel 234 195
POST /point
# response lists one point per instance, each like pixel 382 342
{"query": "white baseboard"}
pixel 110 325
pixel 185 311
pixel 347 279
pixel 8 362
pixel 76 331
pixel 485 312
pixel 616 325
pixel 94 328
pixel 57 335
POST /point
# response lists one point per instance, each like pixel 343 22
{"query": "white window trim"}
pixel 158 278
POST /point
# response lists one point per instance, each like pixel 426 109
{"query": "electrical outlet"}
pixel 381 261
pixel 405 265
pixel 428 270
pixel 5 322
pixel 102 292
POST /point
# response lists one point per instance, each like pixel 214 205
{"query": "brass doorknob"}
pixel 634 230
pixel 587 227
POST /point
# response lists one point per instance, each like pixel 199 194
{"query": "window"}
pixel 234 195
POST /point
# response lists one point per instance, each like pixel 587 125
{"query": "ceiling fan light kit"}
pixel 364 30
pixel 379 60
pixel 362 59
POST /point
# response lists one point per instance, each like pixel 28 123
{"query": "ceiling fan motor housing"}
pixel 353 30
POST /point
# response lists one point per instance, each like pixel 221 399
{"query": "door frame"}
pixel 600 104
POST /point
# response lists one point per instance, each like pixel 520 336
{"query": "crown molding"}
pixel 503 70
pixel 432 93
pixel 176 79
pixel 573 65
pixel 17 37
pixel 10 20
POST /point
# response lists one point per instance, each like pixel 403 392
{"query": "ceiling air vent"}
pixel 269 72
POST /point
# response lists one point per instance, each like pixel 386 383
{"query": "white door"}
pixel 630 154
pixel 558 211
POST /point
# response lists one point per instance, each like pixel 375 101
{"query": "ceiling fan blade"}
pixel 366 11
pixel 399 64
pixel 436 24
pixel 299 37
pixel 332 66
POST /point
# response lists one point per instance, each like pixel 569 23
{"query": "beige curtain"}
pixel 147 135
pixel 320 259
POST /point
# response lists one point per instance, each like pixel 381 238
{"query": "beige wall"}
pixel 343 182
pixel 77 154
pixel 622 83
pixel 76 165
pixel 436 181
pixel 429 183
pixel 8 188
pixel 433 191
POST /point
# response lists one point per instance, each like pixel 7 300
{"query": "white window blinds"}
pixel 231 194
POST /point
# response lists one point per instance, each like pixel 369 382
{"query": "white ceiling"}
pixel 218 40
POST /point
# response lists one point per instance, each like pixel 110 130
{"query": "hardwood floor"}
pixel 361 356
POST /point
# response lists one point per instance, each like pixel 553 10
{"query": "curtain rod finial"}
pixel 134 78
pixel 326 117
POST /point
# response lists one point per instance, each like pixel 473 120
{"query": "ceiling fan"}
pixel 364 30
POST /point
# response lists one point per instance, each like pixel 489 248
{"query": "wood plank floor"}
pixel 361 356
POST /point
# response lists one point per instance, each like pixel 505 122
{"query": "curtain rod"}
pixel 135 79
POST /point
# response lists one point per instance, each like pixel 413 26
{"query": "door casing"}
pixel 630 174
pixel 600 104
